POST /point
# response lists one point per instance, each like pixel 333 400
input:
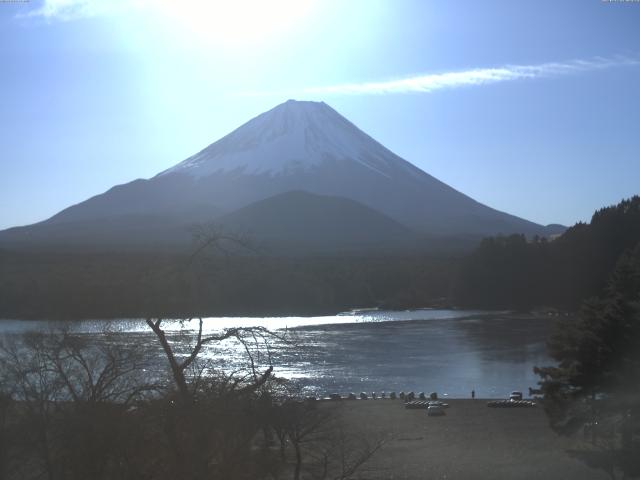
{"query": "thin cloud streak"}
pixel 70 10
pixel 479 76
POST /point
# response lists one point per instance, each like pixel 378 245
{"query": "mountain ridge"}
pixel 296 146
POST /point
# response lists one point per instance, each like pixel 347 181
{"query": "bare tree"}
pixel 217 416
pixel 247 337
pixel 73 396
pixel 346 453
pixel 322 446
pixel 212 424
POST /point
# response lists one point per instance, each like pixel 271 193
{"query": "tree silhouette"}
pixel 595 387
pixel 520 273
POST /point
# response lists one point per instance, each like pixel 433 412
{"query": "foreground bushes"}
pixel 74 409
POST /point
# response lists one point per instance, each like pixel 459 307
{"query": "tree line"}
pixel 520 273
pixel 57 285
pixel 502 272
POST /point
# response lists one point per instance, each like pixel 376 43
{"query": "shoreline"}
pixel 473 313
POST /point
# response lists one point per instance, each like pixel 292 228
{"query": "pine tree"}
pixel 595 386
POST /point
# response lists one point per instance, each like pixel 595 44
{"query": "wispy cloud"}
pixel 67 10
pixel 432 82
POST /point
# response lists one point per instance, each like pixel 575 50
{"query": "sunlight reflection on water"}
pixel 449 351
pixel 212 324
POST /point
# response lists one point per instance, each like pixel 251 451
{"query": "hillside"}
pixel 512 272
pixel 306 222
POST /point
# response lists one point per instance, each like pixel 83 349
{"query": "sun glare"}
pixel 232 23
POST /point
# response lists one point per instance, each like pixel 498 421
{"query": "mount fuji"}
pixel 299 173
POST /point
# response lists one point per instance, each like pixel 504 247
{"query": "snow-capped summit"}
pixel 293 136
pixel 342 178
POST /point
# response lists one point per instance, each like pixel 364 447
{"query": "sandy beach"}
pixel 471 441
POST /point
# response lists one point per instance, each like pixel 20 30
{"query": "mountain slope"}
pixel 296 146
pixel 309 146
pixel 307 222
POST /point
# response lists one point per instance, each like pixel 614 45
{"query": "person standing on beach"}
pixel 473 394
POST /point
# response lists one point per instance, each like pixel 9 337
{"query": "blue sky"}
pixel 529 107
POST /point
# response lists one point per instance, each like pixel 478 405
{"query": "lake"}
pixel 447 351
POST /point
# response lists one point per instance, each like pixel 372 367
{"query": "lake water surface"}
pixel 448 351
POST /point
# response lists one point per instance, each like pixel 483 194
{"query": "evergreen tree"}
pixel 595 386
pixel 520 273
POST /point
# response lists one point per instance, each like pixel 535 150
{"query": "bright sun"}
pixel 233 22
